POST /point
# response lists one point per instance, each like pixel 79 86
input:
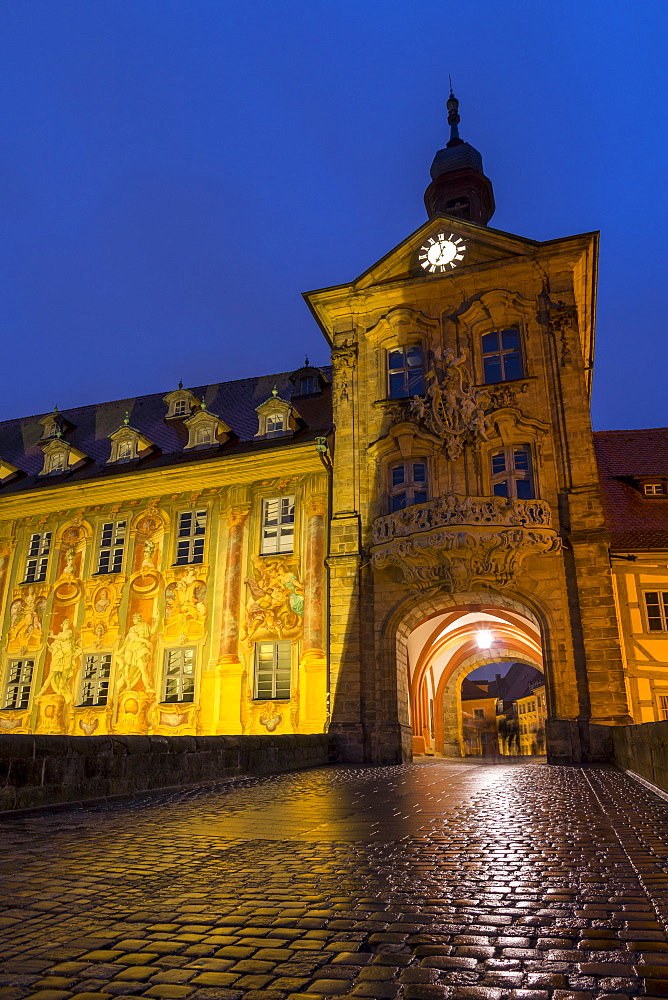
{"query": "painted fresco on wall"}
pixel 185 608
pixel 275 606
pixel 25 620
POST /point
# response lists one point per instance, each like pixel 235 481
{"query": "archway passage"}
pixel 443 649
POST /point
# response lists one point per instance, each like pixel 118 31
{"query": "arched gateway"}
pixel 465 493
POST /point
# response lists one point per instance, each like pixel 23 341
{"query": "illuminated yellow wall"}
pixel 220 608
pixel 645 652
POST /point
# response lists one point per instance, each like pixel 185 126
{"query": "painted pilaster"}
pixel 313 662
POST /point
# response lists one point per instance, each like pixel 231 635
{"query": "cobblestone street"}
pixel 432 880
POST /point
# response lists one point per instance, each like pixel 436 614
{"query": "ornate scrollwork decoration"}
pixel 343 362
pixel 563 321
pixel 459 542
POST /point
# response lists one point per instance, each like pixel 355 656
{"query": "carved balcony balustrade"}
pixel 462 541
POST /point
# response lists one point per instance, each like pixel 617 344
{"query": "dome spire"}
pixel 458 186
pixel 453 117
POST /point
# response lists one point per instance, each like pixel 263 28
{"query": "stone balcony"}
pixel 462 541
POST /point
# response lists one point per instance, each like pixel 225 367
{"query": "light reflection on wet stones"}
pixel 430 881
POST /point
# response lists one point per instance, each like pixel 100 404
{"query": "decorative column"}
pixel 222 689
pixel 313 662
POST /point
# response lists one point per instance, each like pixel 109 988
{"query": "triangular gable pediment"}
pixel 407 260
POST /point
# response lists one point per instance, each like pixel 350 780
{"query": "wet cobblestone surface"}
pixel 429 881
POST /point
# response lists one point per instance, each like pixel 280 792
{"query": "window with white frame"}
pixel 511 473
pixel 192 532
pixel 112 544
pixel 55 462
pixel 405 372
pixel 275 424
pixel 278 525
pixel 204 435
pixel 273 671
pixel 124 451
pixel 408 484
pixel 179 675
pixel 95 679
pixel 501 355
pixel 19 680
pixel 37 560
pixel 180 408
pixel 656 604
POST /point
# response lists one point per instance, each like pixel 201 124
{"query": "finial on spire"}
pixel 307 363
pixel 126 418
pixel 453 118
pixel 274 392
pixel 180 383
pixel 203 403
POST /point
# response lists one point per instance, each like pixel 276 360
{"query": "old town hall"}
pixel 337 548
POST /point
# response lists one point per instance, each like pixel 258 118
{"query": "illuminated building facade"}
pixel 334 548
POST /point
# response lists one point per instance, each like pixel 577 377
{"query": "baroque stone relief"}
pixel 453 408
pixel 563 322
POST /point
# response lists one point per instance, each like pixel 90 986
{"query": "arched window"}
pixel 511 473
pixel 307 385
pixel 180 407
pixel 501 355
pixel 57 462
pixel 124 450
pixel 408 484
pixel 405 372
pixel 203 435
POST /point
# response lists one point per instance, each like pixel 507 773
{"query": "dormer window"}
pixel 205 429
pixel 52 425
pixel 128 444
pixel 60 456
pixel 655 489
pixel 180 403
pixel 307 385
pixel 276 417
pixel 203 435
pixel 275 425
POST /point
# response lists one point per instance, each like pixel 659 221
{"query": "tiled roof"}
pixel 233 402
pixel 624 457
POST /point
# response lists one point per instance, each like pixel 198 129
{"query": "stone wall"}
pixel 643 749
pixel 44 770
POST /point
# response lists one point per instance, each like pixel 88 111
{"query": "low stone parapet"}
pixel 40 771
pixel 643 749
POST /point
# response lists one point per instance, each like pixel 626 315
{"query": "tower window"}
pixel 192 531
pixel 112 543
pixel 179 682
pixel 461 207
pixel 272 671
pixel 19 679
pixel 501 356
pixel 95 679
pixel 38 557
pixel 405 372
pixel 278 525
pixel 307 385
pixel 408 484
pixel 511 473
pixel 656 603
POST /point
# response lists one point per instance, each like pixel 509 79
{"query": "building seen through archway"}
pixel 442 651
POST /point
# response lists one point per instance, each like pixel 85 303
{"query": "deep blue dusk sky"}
pixel 174 173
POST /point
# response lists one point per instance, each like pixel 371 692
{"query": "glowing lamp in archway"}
pixel 484 639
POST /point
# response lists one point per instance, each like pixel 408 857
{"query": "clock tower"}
pixel 466 523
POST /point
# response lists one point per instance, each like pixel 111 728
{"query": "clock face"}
pixel 441 253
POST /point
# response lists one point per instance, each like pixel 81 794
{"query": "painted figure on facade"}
pixel 65 651
pixel 276 606
pixel 134 656
pixel 25 630
pixel 185 610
